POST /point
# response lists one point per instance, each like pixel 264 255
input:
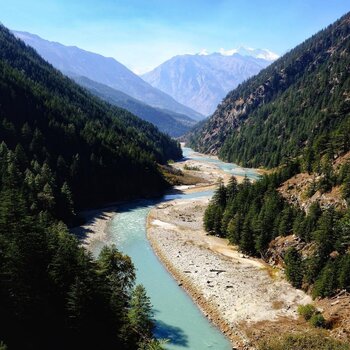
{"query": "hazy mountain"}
pixel 300 101
pixel 201 81
pixel 169 122
pixel 72 60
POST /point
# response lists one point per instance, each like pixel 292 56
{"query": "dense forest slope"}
pixel 169 122
pixel 103 152
pixel 62 149
pixel 300 100
pixel 294 115
pixel 316 254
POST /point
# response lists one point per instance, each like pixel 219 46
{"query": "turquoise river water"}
pixel 178 319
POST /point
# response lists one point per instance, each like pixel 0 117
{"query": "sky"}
pixel 142 34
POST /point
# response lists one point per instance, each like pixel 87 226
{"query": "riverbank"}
pixel 233 291
pixel 95 228
pixel 128 232
pixel 238 294
pixel 96 223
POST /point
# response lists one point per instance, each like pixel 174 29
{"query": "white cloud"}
pixel 228 52
pixel 204 52
pixel 268 55
pixel 265 54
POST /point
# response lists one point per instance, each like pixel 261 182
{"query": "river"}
pixel 177 317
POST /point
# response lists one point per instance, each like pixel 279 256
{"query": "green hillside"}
pixel 62 149
pixel 301 100
pixel 102 152
pixel 294 115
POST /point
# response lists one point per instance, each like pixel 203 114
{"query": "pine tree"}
pixel 326 282
pixel 66 207
pixel 209 217
pixel 246 242
pixel 234 230
pixel 117 269
pixel 232 188
pixel 346 188
pixel 220 195
pixel 344 273
pixel 140 314
pixel 325 235
pixel 46 197
pixel 294 267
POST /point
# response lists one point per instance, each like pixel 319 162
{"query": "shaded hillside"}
pixel 102 152
pixel 301 99
pixel 168 122
pixel 62 149
pixel 74 61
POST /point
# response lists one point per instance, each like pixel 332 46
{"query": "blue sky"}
pixel 144 33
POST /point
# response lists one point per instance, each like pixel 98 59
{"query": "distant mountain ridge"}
pixel 201 81
pixel 168 122
pixel 74 61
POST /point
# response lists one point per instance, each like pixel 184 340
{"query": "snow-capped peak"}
pixel 264 54
pixel 248 51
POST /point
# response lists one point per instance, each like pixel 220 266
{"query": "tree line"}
pixel 61 149
pixel 251 215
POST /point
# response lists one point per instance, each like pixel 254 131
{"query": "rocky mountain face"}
pixel 298 100
pixel 201 81
pixel 74 61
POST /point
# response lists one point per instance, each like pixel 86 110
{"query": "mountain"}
pixel 201 81
pixel 299 101
pixel 74 61
pixel 56 121
pixel 62 149
pixel 293 117
pixel 168 122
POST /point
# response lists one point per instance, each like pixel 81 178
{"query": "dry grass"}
pixel 277 304
pixel 272 271
pixel 311 340
pixel 177 177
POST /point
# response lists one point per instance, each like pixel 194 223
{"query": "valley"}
pixel 234 291
pixel 195 196
pixel 246 298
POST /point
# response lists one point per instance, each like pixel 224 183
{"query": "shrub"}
pixel 193 168
pixel 318 320
pixel 307 311
pixel 311 314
